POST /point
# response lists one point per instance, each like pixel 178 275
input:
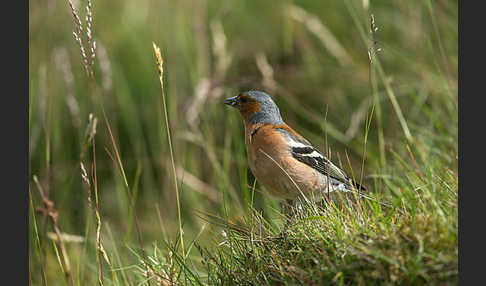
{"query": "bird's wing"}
pixel 304 152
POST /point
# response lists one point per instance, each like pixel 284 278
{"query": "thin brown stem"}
pixel 415 164
pixel 50 211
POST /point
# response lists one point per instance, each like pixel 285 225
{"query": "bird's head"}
pixel 256 107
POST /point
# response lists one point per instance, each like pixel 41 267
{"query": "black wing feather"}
pixel 312 157
pixel 323 165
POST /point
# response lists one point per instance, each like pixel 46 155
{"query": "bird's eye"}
pixel 243 99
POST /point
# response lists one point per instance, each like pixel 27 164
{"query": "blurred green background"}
pixel 309 55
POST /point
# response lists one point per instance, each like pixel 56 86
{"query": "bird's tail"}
pixel 355 186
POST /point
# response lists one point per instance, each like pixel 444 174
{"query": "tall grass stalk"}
pixel 372 52
pixel 383 76
pixel 88 61
pixel 98 217
pixel 160 68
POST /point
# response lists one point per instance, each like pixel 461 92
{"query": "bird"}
pixel 286 164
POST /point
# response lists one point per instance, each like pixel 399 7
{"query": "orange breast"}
pixel 274 167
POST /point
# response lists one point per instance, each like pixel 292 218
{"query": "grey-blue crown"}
pixel 269 112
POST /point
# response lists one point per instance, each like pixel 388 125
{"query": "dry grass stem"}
pixel 50 211
pixel 105 67
pixel 267 72
pixel 208 87
pixel 61 59
pixel 314 25
pixel 223 59
pixel 66 237
pixel 419 173
pixel 197 185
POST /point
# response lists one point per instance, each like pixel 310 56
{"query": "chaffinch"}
pixel 283 161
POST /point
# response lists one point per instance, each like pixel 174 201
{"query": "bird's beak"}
pixel 232 101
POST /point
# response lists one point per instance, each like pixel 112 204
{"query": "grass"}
pixel 413 243
pixel 124 192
